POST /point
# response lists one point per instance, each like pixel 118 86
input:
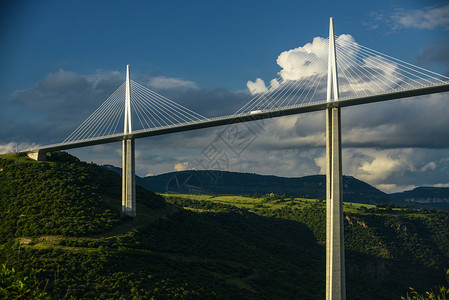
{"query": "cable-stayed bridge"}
pixel 364 76
pixel 329 74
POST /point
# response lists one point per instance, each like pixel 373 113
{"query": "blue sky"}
pixel 61 59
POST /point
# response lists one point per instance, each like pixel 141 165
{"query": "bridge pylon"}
pixel 128 157
pixel 335 253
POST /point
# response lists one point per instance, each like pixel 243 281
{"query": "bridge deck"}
pixel 226 120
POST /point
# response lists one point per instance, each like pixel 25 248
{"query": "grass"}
pixel 252 203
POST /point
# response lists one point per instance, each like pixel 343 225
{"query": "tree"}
pixel 14 287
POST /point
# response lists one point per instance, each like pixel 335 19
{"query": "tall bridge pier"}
pixel 335 253
pixel 128 178
pixel 128 157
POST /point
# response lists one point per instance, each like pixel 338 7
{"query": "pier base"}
pixel 37 155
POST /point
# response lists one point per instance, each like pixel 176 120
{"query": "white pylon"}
pixel 332 78
pixel 128 157
pixel 128 119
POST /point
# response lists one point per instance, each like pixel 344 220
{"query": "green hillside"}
pixel 62 228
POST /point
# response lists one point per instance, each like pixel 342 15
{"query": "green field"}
pixel 276 202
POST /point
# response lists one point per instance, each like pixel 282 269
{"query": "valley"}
pixel 62 228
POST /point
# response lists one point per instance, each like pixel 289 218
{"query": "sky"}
pixel 60 60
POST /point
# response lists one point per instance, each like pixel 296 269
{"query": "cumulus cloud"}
pixel 393 170
pixel 304 71
pixel 304 61
pixel 256 87
pixel 298 63
pixel 381 167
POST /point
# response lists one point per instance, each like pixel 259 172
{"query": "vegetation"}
pixel 59 197
pixel 62 236
pixel 440 293
pixel 388 248
pixel 13 287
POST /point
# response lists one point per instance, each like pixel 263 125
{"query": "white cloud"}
pixel 304 61
pixel 164 83
pixel 427 18
pixel 8 148
pixel 380 168
pixel 274 84
pixel 256 87
pixel 14 147
pixel 430 166
pixel 392 170
pixel 305 68
pixel 181 166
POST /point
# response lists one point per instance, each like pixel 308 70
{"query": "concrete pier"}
pixel 128 178
pixel 335 255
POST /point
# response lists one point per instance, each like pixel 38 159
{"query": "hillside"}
pixel 62 227
pixel 224 182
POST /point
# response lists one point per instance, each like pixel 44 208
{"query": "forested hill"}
pixel 60 196
pixel 62 234
pixel 234 183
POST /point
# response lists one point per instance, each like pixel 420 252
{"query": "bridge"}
pixel 341 73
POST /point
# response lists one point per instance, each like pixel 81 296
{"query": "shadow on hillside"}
pixel 283 256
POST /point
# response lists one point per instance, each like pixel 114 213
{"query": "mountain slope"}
pixel 223 182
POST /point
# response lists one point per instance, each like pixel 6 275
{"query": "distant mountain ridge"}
pixel 437 197
pixel 225 182
pixel 314 186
